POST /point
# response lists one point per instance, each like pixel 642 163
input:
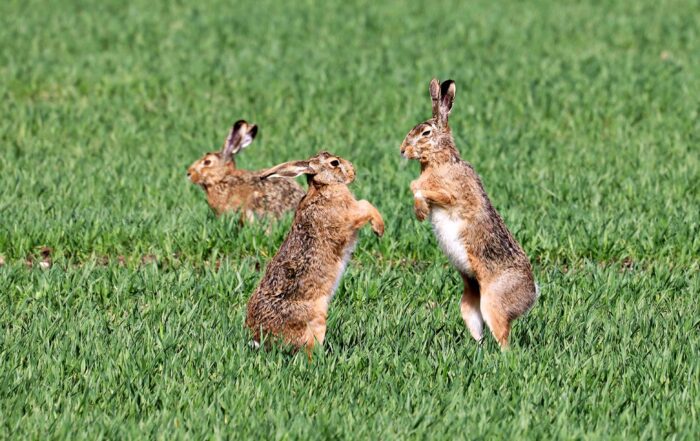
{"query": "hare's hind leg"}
pixel 315 332
pixel 503 300
pixel 470 308
pixel 494 308
pixel 497 319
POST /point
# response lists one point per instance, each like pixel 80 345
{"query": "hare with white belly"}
pixel 498 282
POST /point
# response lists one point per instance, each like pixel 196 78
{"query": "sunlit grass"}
pixel 581 119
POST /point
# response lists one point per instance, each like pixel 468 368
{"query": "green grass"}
pixel 582 119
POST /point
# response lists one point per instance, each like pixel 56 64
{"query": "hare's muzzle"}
pixel 193 176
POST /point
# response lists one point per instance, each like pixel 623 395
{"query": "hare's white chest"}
pixel 347 255
pixel 448 231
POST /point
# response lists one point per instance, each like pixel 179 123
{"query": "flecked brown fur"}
pixel 291 301
pixel 498 281
pixel 231 189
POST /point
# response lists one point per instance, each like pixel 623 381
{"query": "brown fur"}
pixel 498 281
pixel 231 189
pixel 291 301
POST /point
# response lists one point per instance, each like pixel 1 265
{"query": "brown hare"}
pixel 498 281
pixel 232 189
pixel 291 301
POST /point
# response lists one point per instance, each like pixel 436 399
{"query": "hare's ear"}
pixel 443 96
pixel 435 96
pixel 248 136
pixel 447 99
pixel 240 136
pixel 288 170
pixel 447 96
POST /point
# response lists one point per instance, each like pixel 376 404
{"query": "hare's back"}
pixel 279 195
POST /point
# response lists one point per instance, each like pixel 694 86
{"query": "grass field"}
pixel 582 119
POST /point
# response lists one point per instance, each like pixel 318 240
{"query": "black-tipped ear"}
pixel 447 95
pixel 443 96
pixel 248 136
pixel 233 140
pixel 288 170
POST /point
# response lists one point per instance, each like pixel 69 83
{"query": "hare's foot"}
pixel 420 207
pixel 471 309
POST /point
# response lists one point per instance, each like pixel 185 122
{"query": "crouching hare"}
pixel 498 282
pixel 291 301
pixel 232 189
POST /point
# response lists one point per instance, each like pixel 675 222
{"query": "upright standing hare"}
pixel 291 302
pixel 230 189
pixel 498 281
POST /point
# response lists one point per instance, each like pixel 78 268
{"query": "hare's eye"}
pixel 427 132
pixel 335 163
pixel 207 162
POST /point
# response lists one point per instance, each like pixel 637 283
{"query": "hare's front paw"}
pixel 378 226
pixel 368 213
pixel 420 207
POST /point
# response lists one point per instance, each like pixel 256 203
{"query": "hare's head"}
pixel 323 169
pixel 429 137
pixel 217 164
